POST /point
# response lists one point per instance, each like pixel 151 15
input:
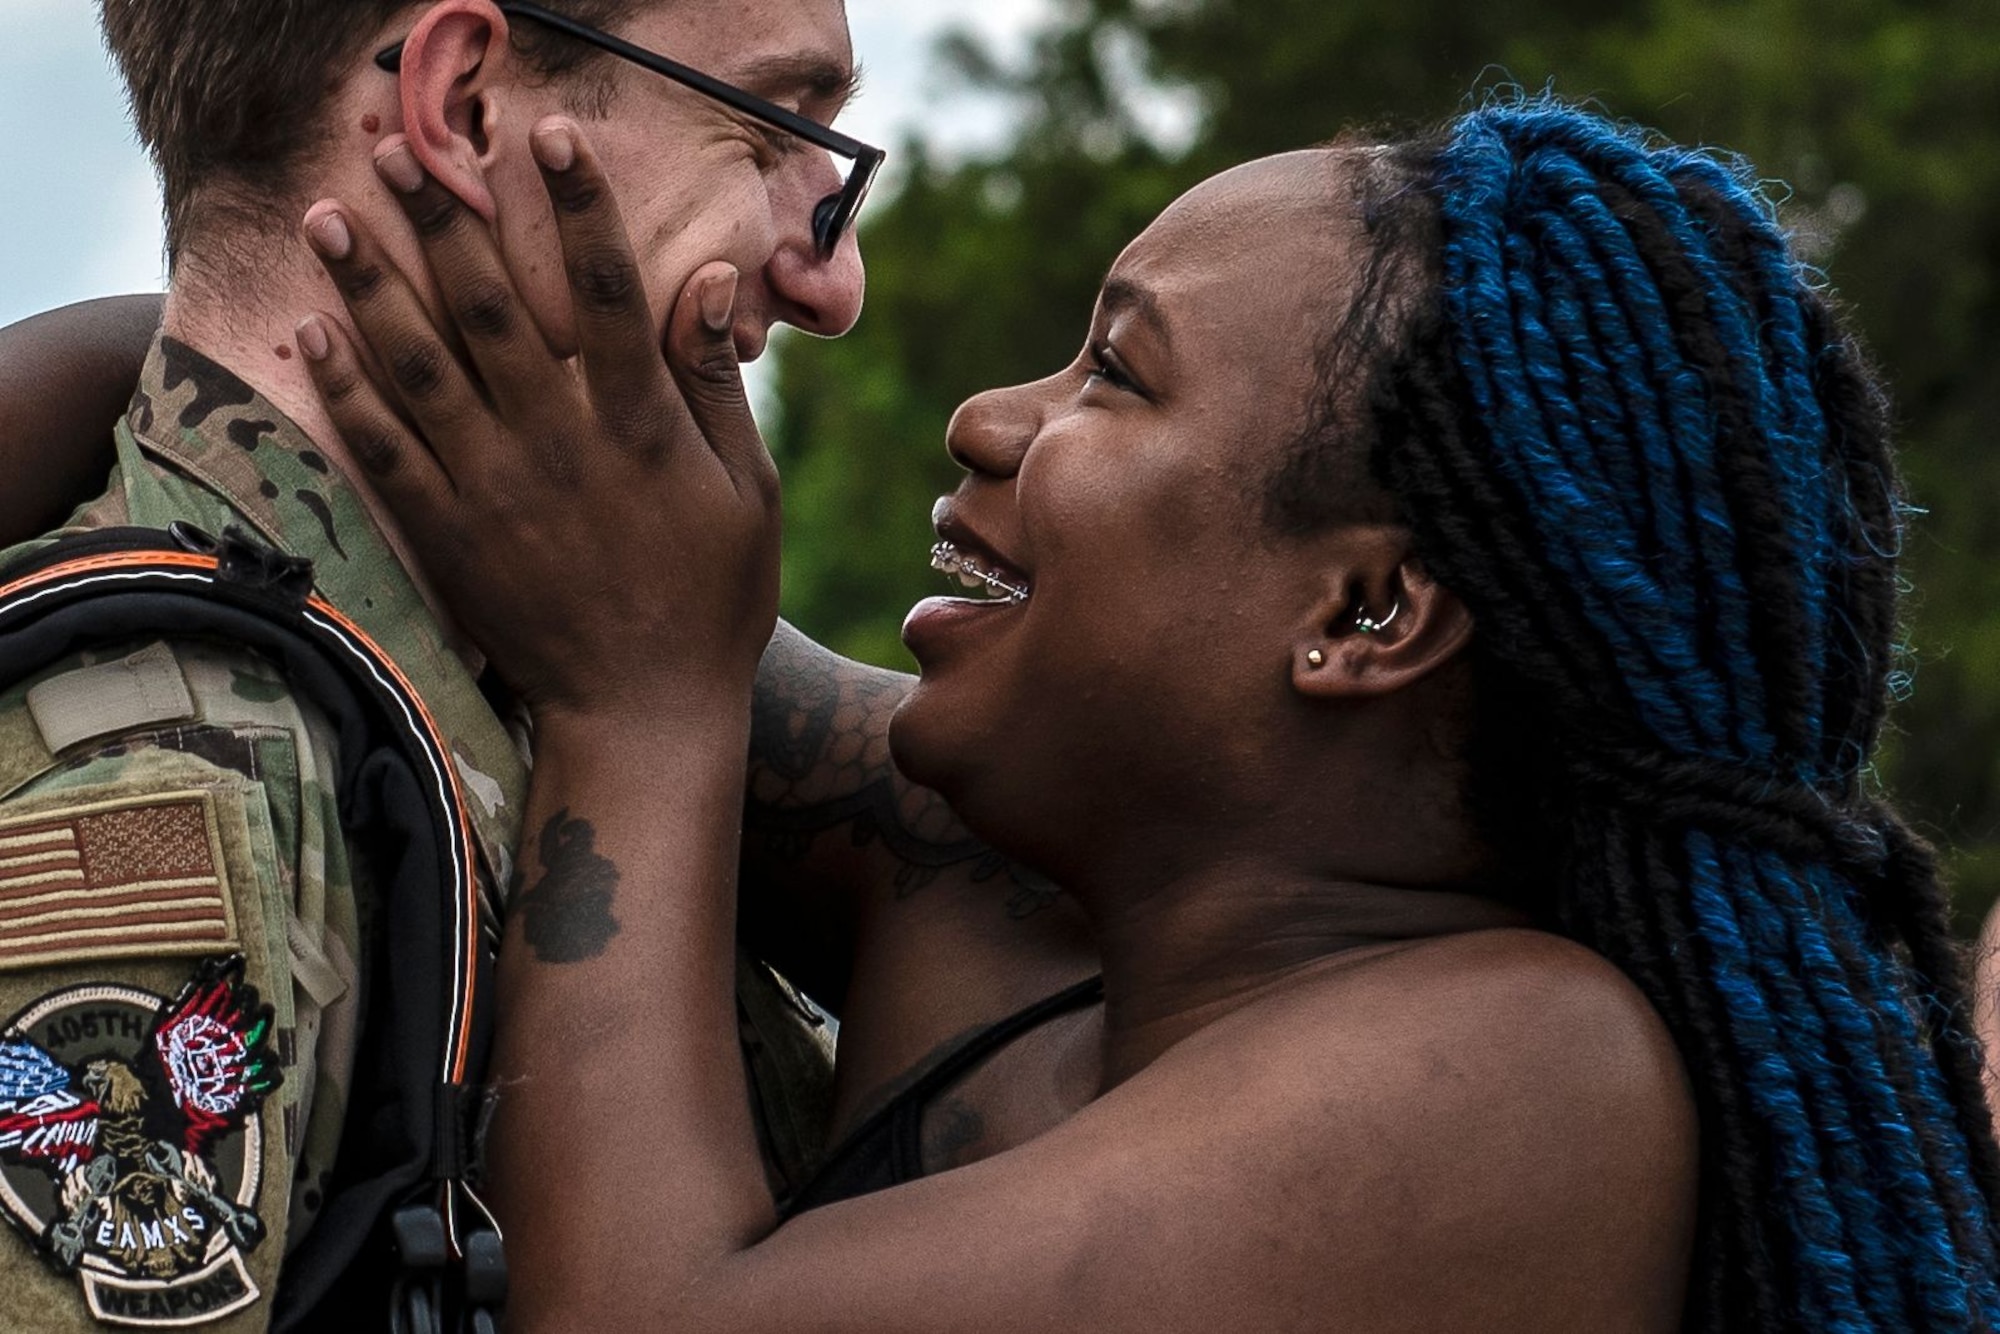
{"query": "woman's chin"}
pixel 972 762
pixel 939 743
pixel 919 739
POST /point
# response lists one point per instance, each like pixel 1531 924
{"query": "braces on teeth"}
pixel 946 556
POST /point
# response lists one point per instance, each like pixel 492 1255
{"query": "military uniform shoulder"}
pixel 177 931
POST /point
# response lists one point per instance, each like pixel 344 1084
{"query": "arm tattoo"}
pixel 567 914
pixel 819 760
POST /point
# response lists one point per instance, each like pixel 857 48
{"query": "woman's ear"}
pixel 450 115
pixel 1379 625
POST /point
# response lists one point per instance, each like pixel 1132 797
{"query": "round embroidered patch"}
pixel 130 1146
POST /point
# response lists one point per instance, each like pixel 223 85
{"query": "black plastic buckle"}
pixel 243 561
pixel 191 538
pixel 485 1271
pixel 421 1241
pixel 423 1245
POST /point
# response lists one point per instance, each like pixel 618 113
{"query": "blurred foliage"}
pixel 1883 116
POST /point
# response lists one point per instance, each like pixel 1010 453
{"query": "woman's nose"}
pixel 991 432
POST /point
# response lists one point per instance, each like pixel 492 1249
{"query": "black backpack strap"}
pixel 408 1148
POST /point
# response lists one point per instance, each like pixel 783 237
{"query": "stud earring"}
pixel 1316 658
pixel 1368 625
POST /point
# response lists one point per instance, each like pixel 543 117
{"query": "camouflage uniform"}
pixel 167 805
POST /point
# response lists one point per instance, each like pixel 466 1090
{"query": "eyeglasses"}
pixel 833 215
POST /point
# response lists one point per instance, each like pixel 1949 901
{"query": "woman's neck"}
pixel 1186 952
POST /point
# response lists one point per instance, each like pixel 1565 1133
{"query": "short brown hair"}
pixel 229 93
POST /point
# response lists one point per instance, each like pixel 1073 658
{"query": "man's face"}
pixel 695 180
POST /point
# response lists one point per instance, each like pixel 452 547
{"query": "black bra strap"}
pixel 989 1040
pixel 887 1148
pixel 905 1116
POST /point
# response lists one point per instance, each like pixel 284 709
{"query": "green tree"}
pixel 1879 113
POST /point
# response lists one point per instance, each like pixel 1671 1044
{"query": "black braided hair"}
pixel 1628 430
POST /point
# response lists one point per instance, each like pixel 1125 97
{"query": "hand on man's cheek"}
pixel 680 215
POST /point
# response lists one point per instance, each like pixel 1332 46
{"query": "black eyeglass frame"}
pixel 832 216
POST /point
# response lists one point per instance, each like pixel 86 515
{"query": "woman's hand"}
pixel 605 528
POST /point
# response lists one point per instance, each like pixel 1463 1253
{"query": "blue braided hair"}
pixel 1626 427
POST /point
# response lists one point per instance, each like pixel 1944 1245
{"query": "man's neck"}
pixel 254 338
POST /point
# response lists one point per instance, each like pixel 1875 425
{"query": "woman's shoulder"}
pixel 1518 985
pixel 1503 992
pixel 1526 1026
pixel 1502 1108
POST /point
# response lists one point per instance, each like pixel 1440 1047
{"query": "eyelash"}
pixel 785 145
pixel 774 147
pixel 1103 367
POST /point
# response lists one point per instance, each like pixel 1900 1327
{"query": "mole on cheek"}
pixel 371 123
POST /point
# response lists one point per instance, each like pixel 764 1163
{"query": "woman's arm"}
pixel 65 379
pixel 616 975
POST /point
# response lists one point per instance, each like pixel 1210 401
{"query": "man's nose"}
pixel 818 293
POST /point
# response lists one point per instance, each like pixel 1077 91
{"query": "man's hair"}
pixel 1627 428
pixel 229 96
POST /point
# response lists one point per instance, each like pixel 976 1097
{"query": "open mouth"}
pixel 997 584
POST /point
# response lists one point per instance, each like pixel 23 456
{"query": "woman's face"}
pixel 1142 675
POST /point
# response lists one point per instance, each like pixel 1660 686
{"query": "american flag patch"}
pixel 119 879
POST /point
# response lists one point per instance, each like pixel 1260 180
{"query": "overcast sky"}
pixel 79 212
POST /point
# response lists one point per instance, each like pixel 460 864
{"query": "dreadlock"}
pixel 1626 428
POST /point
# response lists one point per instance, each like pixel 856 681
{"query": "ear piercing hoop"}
pixel 1368 625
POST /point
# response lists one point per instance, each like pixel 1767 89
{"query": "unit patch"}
pixel 130 1146
pixel 118 879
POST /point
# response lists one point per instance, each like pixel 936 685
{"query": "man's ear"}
pixel 1379 624
pixel 450 115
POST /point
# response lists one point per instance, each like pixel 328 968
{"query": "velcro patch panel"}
pixel 141 690
pixel 142 877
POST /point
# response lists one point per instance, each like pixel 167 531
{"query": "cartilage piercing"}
pixel 1368 625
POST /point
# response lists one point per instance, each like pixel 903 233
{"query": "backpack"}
pixel 402 1230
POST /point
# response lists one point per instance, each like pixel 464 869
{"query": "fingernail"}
pixel 718 303
pixel 312 338
pixel 400 168
pixel 330 235
pixel 555 147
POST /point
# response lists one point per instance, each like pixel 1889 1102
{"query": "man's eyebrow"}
pixel 1121 294
pixel 816 78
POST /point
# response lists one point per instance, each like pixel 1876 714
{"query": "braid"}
pixel 1626 430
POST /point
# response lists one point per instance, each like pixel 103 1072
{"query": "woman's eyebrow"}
pixel 1122 294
